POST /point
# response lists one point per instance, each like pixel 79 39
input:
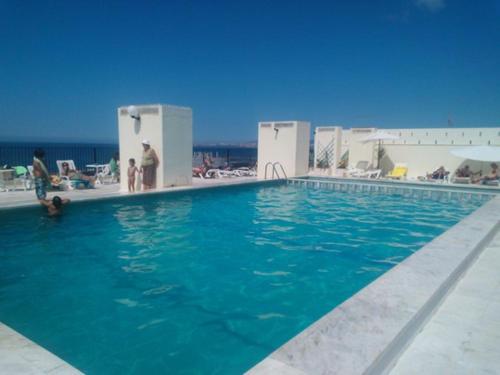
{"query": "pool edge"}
pixel 20 355
pixel 368 332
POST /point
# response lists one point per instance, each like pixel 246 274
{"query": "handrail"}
pixel 282 169
pixel 274 170
pixel 265 170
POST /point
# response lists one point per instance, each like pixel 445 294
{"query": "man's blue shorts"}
pixel 40 188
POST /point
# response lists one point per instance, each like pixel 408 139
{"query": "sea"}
pixel 16 153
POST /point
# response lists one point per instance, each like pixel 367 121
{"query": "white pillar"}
pixel 286 144
pixel 169 129
pixel 327 148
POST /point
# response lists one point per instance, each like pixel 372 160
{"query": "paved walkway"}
pixel 463 336
pixel 19 198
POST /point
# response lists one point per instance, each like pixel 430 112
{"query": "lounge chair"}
pixel 244 171
pixel 219 173
pixel 399 172
pixel 370 173
pixel 105 176
pixel 71 184
pixel 361 166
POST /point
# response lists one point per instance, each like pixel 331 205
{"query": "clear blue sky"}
pixel 65 66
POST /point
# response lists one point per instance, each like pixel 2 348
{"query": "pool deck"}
pixel 463 336
pixel 450 323
pixel 20 198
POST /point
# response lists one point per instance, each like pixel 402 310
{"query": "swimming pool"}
pixel 207 281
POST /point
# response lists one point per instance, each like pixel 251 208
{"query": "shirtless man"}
pixel 54 206
pixel 41 174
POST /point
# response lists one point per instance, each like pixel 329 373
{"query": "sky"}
pixel 65 66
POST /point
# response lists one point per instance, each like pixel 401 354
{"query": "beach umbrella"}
pixel 479 153
pixel 378 137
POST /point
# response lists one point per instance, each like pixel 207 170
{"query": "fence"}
pixel 14 154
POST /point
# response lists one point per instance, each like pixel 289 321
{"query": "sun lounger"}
pixel 361 166
pixel 399 172
pixel 462 180
pixel 244 171
pixel 105 176
pixel 71 184
pixel 219 173
pixel 372 173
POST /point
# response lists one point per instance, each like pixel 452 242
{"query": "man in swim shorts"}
pixel 41 174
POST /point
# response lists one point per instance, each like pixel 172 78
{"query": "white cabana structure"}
pixel 479 153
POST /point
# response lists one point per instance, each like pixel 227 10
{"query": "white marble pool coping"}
pixel 19 199
pixel 18 355
pixel 367 333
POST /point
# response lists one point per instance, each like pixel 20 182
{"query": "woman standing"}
pixel 114 166
pixel 149 164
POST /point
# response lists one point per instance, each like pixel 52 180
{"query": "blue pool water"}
pixel 200 282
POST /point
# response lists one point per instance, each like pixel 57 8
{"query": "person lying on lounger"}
pixel 438 174
pixel 54 205
pixel 76 175
pixel 466 172
pixel 493 176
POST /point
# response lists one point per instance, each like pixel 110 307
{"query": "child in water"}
pixel 132 171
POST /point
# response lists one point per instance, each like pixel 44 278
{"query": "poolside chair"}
pixel 371 173
pixel 67 183
pixel 105 176
pixel 399 172
pixel 23 178
pixel 219 173
pixel 361 166
pixel 245 172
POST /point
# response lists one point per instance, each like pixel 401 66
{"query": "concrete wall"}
pixel 178 143
pixel 286 142
pixel 327 147
pixel 169 129
pixel 359 151
pixel 424 150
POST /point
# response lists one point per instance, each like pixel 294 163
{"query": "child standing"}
pixel 132 171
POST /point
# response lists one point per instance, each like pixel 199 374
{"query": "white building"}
pixel 423 150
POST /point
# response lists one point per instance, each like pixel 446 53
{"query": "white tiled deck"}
pixel 19 198
pixel 463 336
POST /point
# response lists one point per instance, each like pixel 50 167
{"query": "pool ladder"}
pixel 275 170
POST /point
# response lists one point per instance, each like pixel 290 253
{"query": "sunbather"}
pixel 438 174
pixel 493 176
pixel 76 175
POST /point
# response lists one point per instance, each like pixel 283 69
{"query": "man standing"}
pixel 41 174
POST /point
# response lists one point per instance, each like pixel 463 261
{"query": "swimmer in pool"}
pixel 54 206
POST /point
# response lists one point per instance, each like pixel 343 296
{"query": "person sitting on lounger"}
pixel 76 175
pixel 465 172
pixel 438 174
pixel 493 176
pixel 55 205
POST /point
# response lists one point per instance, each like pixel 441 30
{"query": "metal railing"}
pixel 275 170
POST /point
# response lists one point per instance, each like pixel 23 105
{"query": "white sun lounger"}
pixel 361 166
